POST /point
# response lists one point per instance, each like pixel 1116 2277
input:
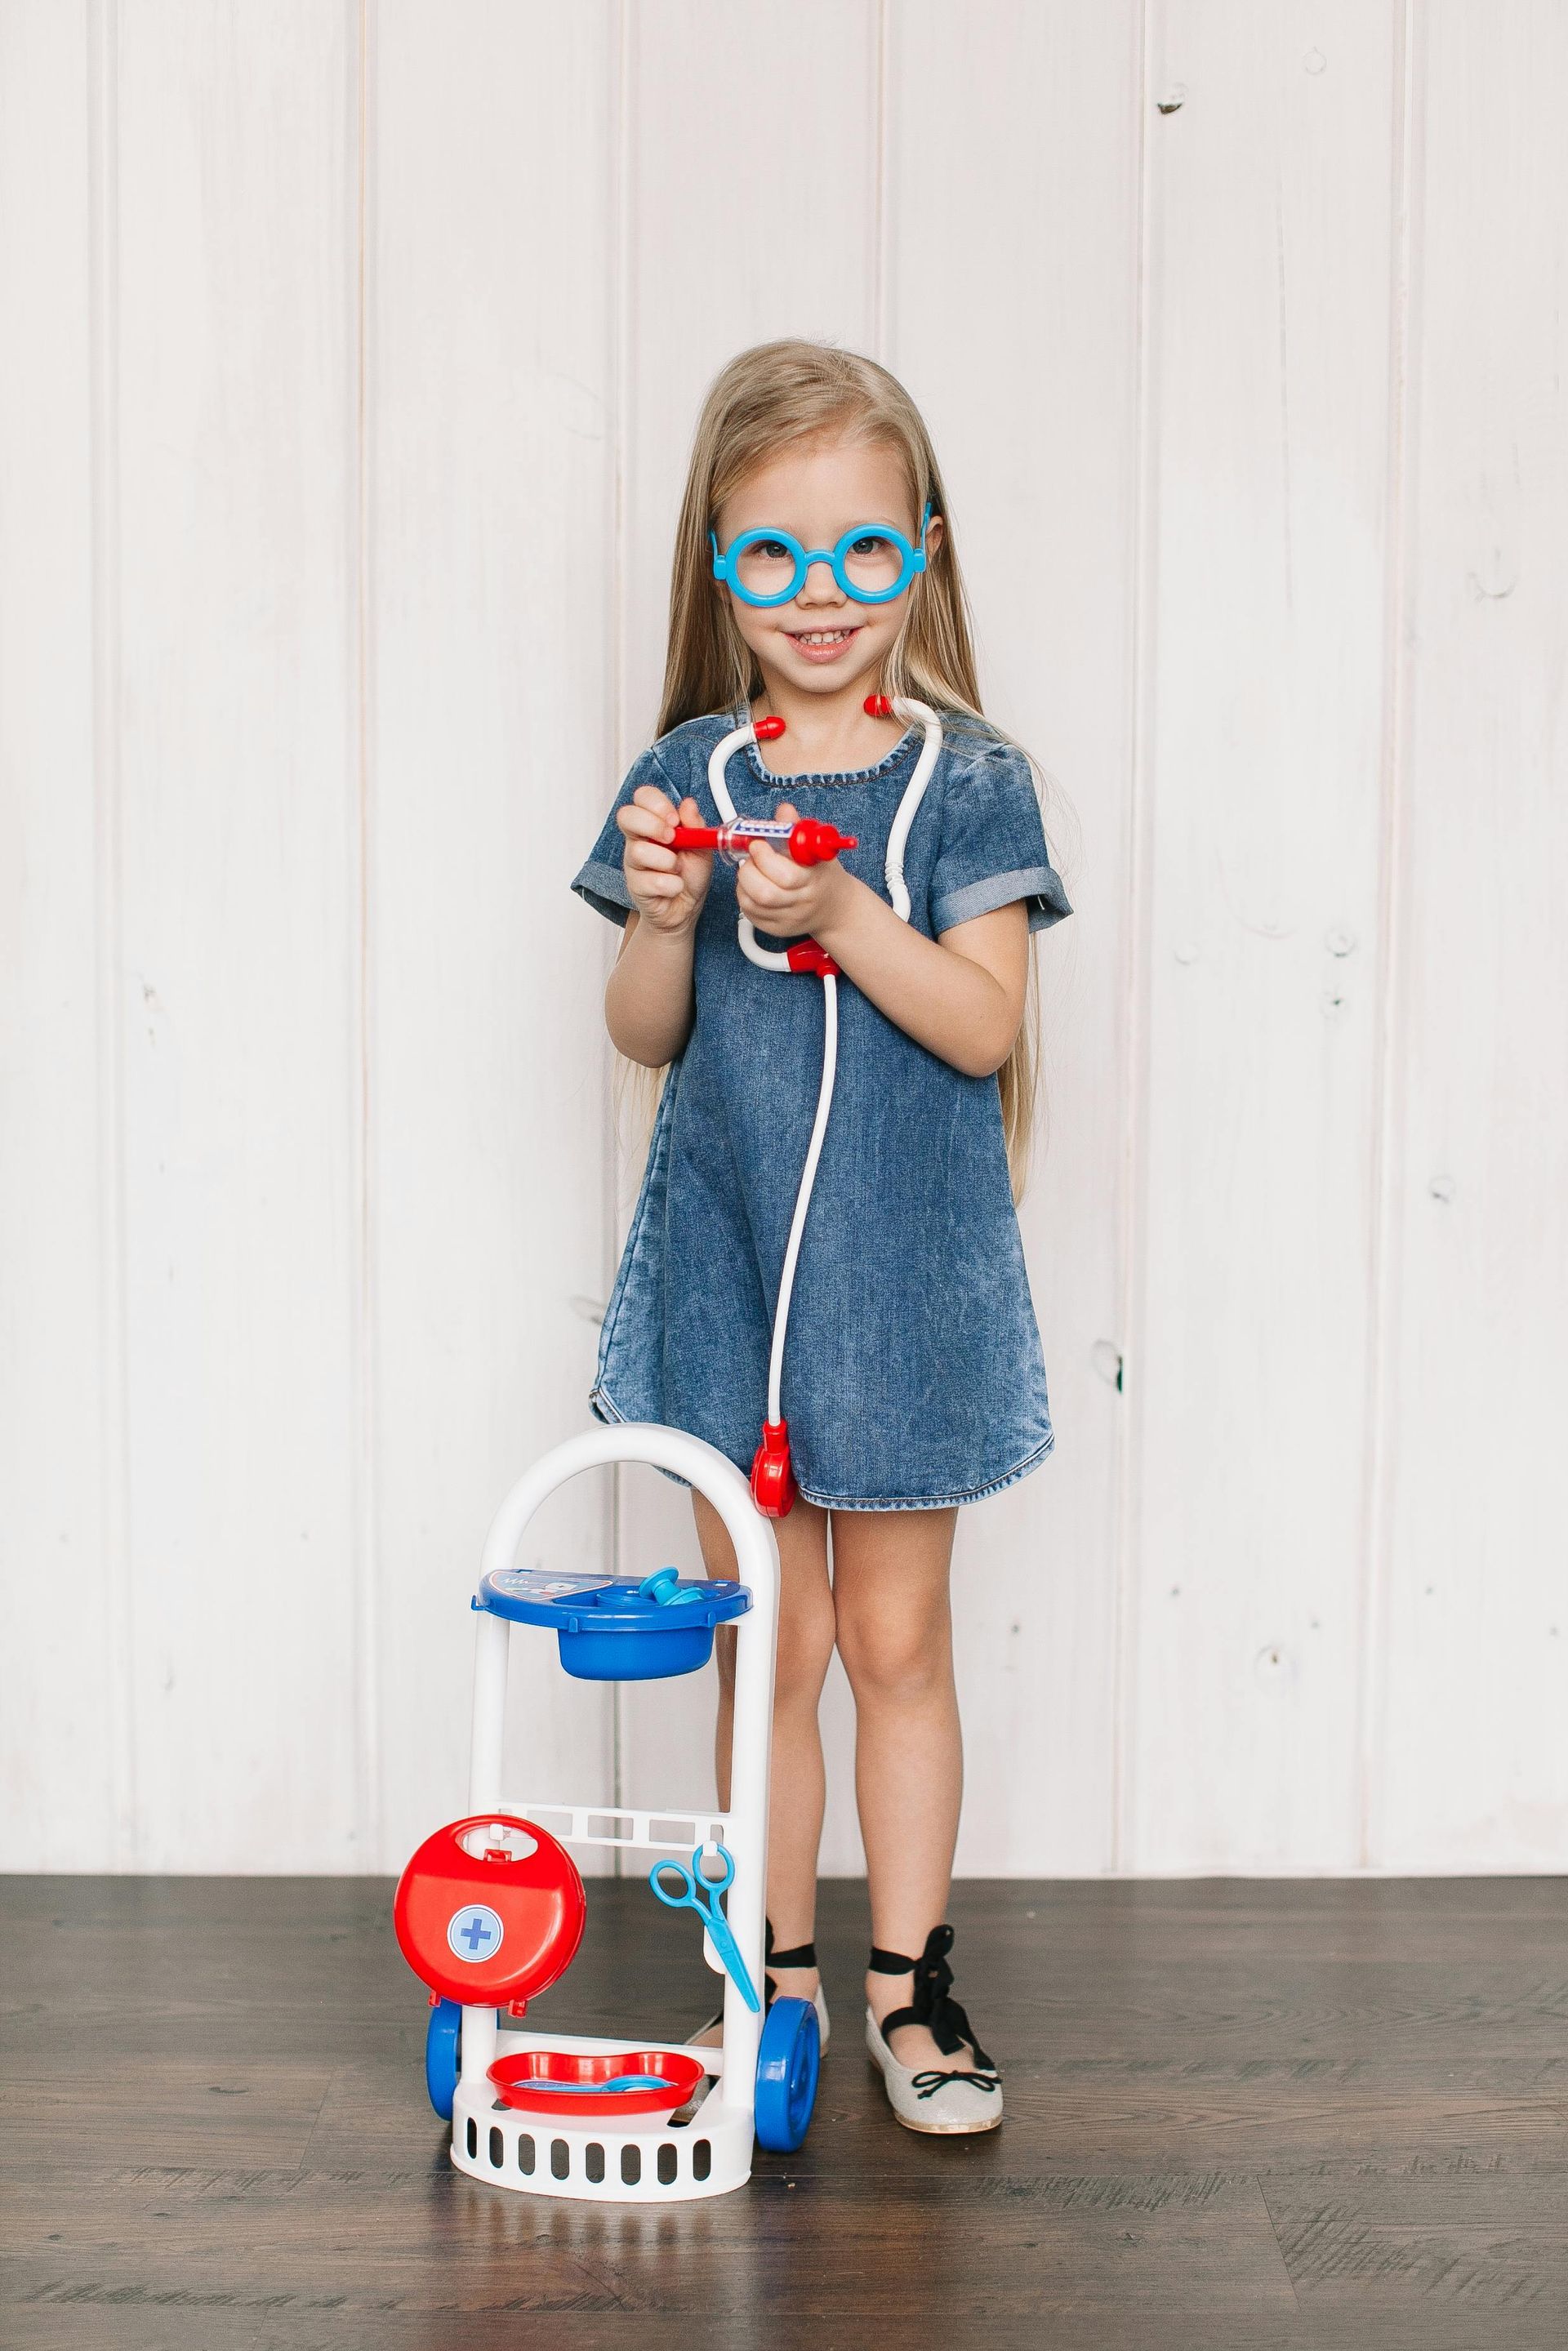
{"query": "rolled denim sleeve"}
pixel 600 879
pixel 993 846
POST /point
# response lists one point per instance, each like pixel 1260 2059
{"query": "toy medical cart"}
pixel 490 1909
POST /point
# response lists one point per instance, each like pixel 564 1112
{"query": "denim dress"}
pixel 913 1375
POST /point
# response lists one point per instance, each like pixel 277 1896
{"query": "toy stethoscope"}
pixel 773 1485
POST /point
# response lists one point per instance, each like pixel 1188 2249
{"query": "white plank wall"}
pixel 1268 309
pixel 491 561
pixel 234 261
pixel 1470 1766
pixel 363 345
pixel 59 1371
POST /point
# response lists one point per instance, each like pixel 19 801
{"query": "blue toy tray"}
pixel 615 1629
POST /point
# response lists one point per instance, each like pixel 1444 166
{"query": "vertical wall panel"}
pixel 1021 349
pixel 1472 1768
pixel 65 1801
pixel 1271 181
pixel 751 201
pixel 491 447
pixel 236 417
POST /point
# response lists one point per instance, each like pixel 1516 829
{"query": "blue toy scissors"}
pixel 702 1894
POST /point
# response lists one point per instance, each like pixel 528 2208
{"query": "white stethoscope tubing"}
pixel 930 751
pixel 803 1196
pixel 724 750
pixel 718 760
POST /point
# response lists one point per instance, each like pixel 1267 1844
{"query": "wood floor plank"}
pixel 1427 2190
pixel 1490 2242
pixel 129 2327
pixel 828 2257
pixel 159 2109
pixel 240 2327
pixel 1331 2253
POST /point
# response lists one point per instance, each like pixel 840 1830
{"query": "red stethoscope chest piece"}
pixel 773 1488
pixel 492 1928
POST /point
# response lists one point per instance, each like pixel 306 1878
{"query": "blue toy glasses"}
pixel 872 563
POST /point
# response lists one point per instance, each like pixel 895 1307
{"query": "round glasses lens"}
pixel 766 567
pixel 874 562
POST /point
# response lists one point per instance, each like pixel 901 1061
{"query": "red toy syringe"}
pixel 806 840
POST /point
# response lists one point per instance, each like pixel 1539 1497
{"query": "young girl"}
pixel 912 1379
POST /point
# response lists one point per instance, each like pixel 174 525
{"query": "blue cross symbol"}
pixel 475 1932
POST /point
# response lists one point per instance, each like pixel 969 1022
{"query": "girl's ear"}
pixel 933 536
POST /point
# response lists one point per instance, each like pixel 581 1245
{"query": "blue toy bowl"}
pixel 634 1655
pixel 618 1630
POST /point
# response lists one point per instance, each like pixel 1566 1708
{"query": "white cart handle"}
pixel 714 1477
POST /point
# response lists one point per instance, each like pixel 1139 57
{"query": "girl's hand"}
pixel 667 885
pixel 785 899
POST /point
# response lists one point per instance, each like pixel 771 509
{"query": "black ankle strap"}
pixel 932 2005
pixel 890 1963
pixel 804 1954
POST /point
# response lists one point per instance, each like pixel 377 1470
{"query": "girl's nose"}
pixel 818 586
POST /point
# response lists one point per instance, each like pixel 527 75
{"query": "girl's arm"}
pixel 649 1002
pixel 961 997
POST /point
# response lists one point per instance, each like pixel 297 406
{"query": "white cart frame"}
pixel 648 2158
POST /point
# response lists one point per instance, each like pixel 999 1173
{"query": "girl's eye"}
pixel 874 562
pixel 766 567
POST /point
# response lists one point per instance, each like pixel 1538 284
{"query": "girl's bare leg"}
pixel 797 1786
pixel 895 1636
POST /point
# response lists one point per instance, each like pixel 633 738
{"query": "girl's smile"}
pixel 820 645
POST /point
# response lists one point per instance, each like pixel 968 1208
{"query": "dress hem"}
pixel 604 1407
pixel 936 1501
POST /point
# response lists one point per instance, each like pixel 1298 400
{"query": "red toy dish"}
pixel 563 2081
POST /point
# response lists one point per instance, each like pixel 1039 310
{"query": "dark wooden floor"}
pixel 1239 2115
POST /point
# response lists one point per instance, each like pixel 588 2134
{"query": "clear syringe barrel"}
pixel 734 840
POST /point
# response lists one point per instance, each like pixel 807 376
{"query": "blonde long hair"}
pixel 766 399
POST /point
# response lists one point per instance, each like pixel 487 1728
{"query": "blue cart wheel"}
pixel 788 2060
pixel 441 2056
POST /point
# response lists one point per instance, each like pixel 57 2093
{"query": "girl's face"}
pixel 822 642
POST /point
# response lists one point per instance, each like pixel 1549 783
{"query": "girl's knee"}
pixel 898 1659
